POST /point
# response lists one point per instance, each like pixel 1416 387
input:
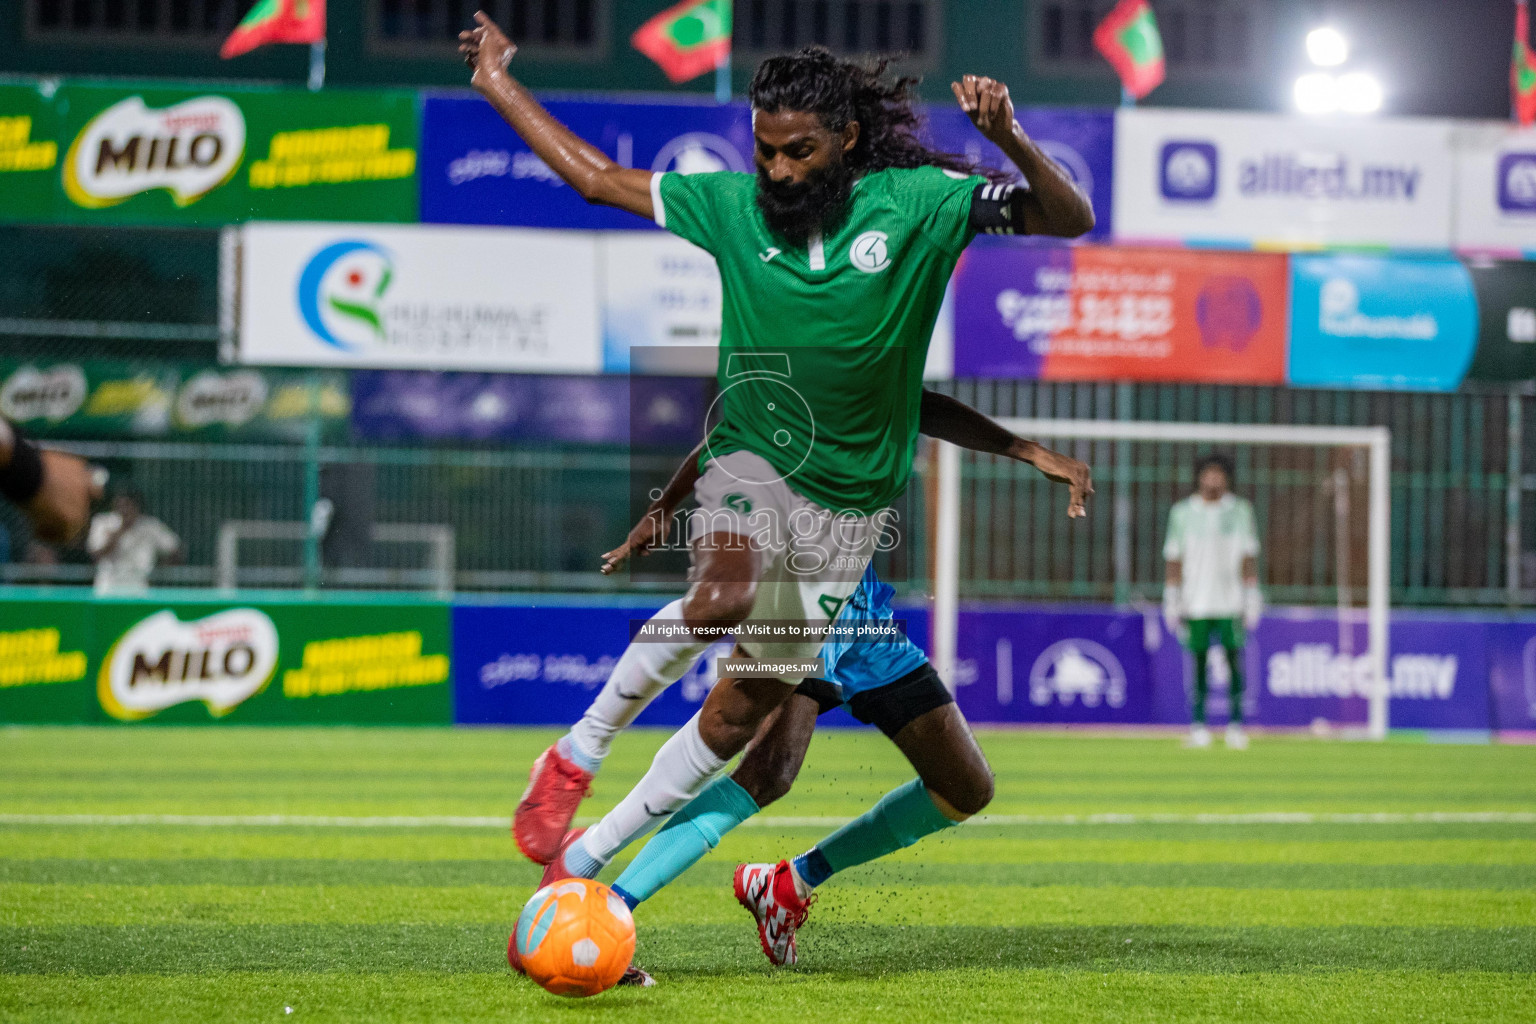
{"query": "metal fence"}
pixel 1463 504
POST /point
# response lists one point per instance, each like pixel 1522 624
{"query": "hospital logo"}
pixel 341 292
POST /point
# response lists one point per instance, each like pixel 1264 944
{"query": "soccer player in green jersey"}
pixel 1211 592
pixel 834 259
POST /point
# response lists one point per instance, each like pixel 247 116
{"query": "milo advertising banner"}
pixel 150 399
pixel 29 154
pixel 149 154
pixel 198 662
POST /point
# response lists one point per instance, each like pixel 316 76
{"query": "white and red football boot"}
pixel 768 891
pixel 544 814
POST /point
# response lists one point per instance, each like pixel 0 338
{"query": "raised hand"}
pixel 1064 469
pixel 486 49
pixel 987 103
pixel 647 533
pixel 61 510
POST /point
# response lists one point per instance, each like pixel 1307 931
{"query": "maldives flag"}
pixel 1522 73
pixel 276 21
pixel 1129 40
pixel 688 39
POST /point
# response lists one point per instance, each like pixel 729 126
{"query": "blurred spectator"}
pixel 126 545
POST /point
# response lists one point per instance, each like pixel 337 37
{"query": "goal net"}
pixel 1321 495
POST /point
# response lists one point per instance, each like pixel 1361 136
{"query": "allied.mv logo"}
pixel 341 290
pixel 1189 171
pixel 870 252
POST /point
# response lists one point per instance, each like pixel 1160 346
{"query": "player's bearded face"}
pixel 795 209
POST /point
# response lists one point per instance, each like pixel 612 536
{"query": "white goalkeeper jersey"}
pixel 1211 539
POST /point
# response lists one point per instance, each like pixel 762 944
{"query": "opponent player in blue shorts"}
pixel 885 680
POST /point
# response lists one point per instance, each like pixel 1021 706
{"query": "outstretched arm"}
pixel 53 490
pixel 951 420
pixel 1052 205
pixel 580 164
pixel 653 525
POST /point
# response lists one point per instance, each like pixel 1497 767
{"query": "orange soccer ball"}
pixel 575 937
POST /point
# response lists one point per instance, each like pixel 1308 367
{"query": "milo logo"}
pixel 233 399
pixel 188 149
pixel 221 660
pixel 33 394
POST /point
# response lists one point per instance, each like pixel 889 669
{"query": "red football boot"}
pixel 544 814
pixel 768 891
pixel 556 870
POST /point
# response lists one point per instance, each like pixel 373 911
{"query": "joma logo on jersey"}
pixel 738 502
pixel 870 252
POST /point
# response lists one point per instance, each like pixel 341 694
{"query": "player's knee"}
pixel 765 783
pixel 715 607
pixel 970 794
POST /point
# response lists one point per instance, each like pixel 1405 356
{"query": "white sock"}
pixel 642 673
pixel 683 767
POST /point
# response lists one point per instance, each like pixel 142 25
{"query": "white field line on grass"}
pixel 768 821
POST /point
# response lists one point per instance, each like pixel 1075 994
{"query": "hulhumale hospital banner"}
pixel 192 662
pixel 1270 181
pixel 1375 322
pixel 475 170
pixel 1101 313
pixel 412 296
pixel 97 154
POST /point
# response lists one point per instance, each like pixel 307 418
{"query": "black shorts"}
pixel 889 708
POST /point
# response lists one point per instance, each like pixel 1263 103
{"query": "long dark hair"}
pixel 840 91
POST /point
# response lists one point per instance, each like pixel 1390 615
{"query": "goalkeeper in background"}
pixel 1211 592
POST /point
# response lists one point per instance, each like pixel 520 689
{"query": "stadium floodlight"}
pixel 1376 442
pixel 1327 47
pixel 1316 92
pixel 1359 93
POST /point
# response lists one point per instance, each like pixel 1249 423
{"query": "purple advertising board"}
pixel 474 170
pixel 1057 665
pixel 394 405
pixel 1053 666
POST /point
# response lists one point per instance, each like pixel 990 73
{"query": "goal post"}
pixel 1376 441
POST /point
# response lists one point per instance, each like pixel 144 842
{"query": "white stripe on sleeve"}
pixel 658 207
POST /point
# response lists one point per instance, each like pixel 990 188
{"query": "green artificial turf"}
pixel 1049 920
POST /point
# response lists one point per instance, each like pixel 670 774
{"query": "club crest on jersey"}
pixel 870 252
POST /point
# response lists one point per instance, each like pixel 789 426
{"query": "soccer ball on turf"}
pixel 575 937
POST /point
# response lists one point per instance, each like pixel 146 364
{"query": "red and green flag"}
pixel 1129 40
pixel 276 21
pixel 687 40
pixel 1522 73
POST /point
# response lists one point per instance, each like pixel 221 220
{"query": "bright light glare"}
pixel 1327 47
pixel 1359 93
pixel 1317 93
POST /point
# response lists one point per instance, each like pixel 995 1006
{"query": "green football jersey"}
pixel 822 345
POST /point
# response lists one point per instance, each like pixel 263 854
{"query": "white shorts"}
pixel 813 558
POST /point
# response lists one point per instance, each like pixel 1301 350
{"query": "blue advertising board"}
pixel 1381 322
pixel 523 665
pixel 1081 140
pixel 398 405
pixel 474 169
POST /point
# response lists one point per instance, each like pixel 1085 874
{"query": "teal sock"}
pixel 689 834
pixel 902 817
